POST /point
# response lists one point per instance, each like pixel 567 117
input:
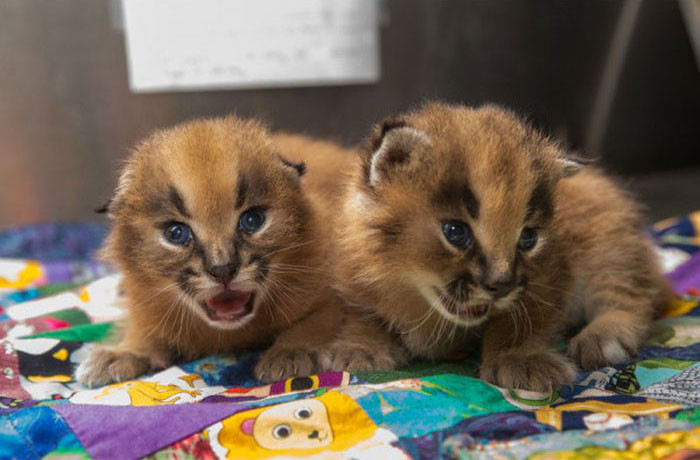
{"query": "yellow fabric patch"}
pixel 679 307
pixel 84 296
pixel 49 378
pixel 26 277
pixel 654 446
pixel 61 354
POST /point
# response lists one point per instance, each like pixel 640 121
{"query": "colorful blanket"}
pixel 53 311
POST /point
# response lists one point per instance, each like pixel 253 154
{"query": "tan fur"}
pixel 591 260
pixel 205 161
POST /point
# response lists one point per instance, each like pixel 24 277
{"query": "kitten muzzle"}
pixel 471 312
pixel 230 305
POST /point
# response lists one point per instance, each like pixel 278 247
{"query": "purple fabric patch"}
pixel 687 275
pixel 134 432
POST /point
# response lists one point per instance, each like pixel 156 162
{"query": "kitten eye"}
pixel 303 413
pixel 178 233
pixel 457 233
pixel 528 239
pixel 281 431
pixel 251 220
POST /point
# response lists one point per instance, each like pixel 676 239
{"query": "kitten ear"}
pixel 571 165
pixel 117 201
pixel 104 208
pixel 299 168
pixel 391 147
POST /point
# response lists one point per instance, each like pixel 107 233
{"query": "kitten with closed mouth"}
pixel 221 250
pixel 465 226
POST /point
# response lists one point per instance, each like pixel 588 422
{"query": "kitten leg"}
pixel 294 351
pixel 612 337
pixel 526 360
pixel 362 344
pixel 108 364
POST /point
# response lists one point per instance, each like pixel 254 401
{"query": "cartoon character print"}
pixel 329 426
pixel 299 424
pixel 171 386
pixel 143 393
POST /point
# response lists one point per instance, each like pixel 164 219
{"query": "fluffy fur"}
pixel 489 171
pixel 206 174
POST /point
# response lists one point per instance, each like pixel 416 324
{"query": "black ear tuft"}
pixel 104 208
pixel 392 147
pixel 300 167
pixel 392 123
pixel 383 128
pixel 571 165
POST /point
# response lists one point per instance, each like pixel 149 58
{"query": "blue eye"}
pixel 457 233
pixel 178 233
pixel 528 239
pixel 251 221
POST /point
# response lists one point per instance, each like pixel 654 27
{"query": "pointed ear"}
pixel 104 208
pixel 393 145
pixel 111 206
pixel 571 165
pixel 298 168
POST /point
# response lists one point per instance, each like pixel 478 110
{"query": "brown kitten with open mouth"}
pixel 466 225
pixel 220 250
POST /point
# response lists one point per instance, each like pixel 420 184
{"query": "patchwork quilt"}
pixel 53 311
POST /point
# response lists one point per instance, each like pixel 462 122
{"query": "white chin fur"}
pixel 436 304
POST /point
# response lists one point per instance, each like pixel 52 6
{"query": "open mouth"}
pixel 229 305
pixel 457 308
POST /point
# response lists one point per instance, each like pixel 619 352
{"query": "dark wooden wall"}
pixel 67 116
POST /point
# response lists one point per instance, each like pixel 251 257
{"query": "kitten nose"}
pixel 223 273
pixel 501 286
pixel 314 434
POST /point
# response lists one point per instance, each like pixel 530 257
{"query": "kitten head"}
pixel 457 203
pixel 207 215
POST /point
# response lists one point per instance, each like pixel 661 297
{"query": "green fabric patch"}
pixel 469 368
pixel 664 362
pixel 86 333
pixel 74 316
pixel 690 415
pixel 51 289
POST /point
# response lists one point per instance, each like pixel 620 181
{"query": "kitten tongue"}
pixel 229 305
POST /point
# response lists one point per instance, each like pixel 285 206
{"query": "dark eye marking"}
pixel 470 202
pixel 177 201
pixel 455 193
pixel 242 190
pixel 262 269
pixel 540 201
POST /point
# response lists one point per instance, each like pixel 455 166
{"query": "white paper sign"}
pixel 210 44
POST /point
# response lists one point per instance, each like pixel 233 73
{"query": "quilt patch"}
pixel 52 312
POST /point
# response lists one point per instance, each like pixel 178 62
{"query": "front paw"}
pixel 535 371
pixel 281 363
pixel 357 359
pixel 106 365
pixel 593 348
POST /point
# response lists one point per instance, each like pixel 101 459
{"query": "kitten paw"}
pixel 279 364
pixel 592 350
pixel 540 371
pixel 105 365
pixel 353 359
